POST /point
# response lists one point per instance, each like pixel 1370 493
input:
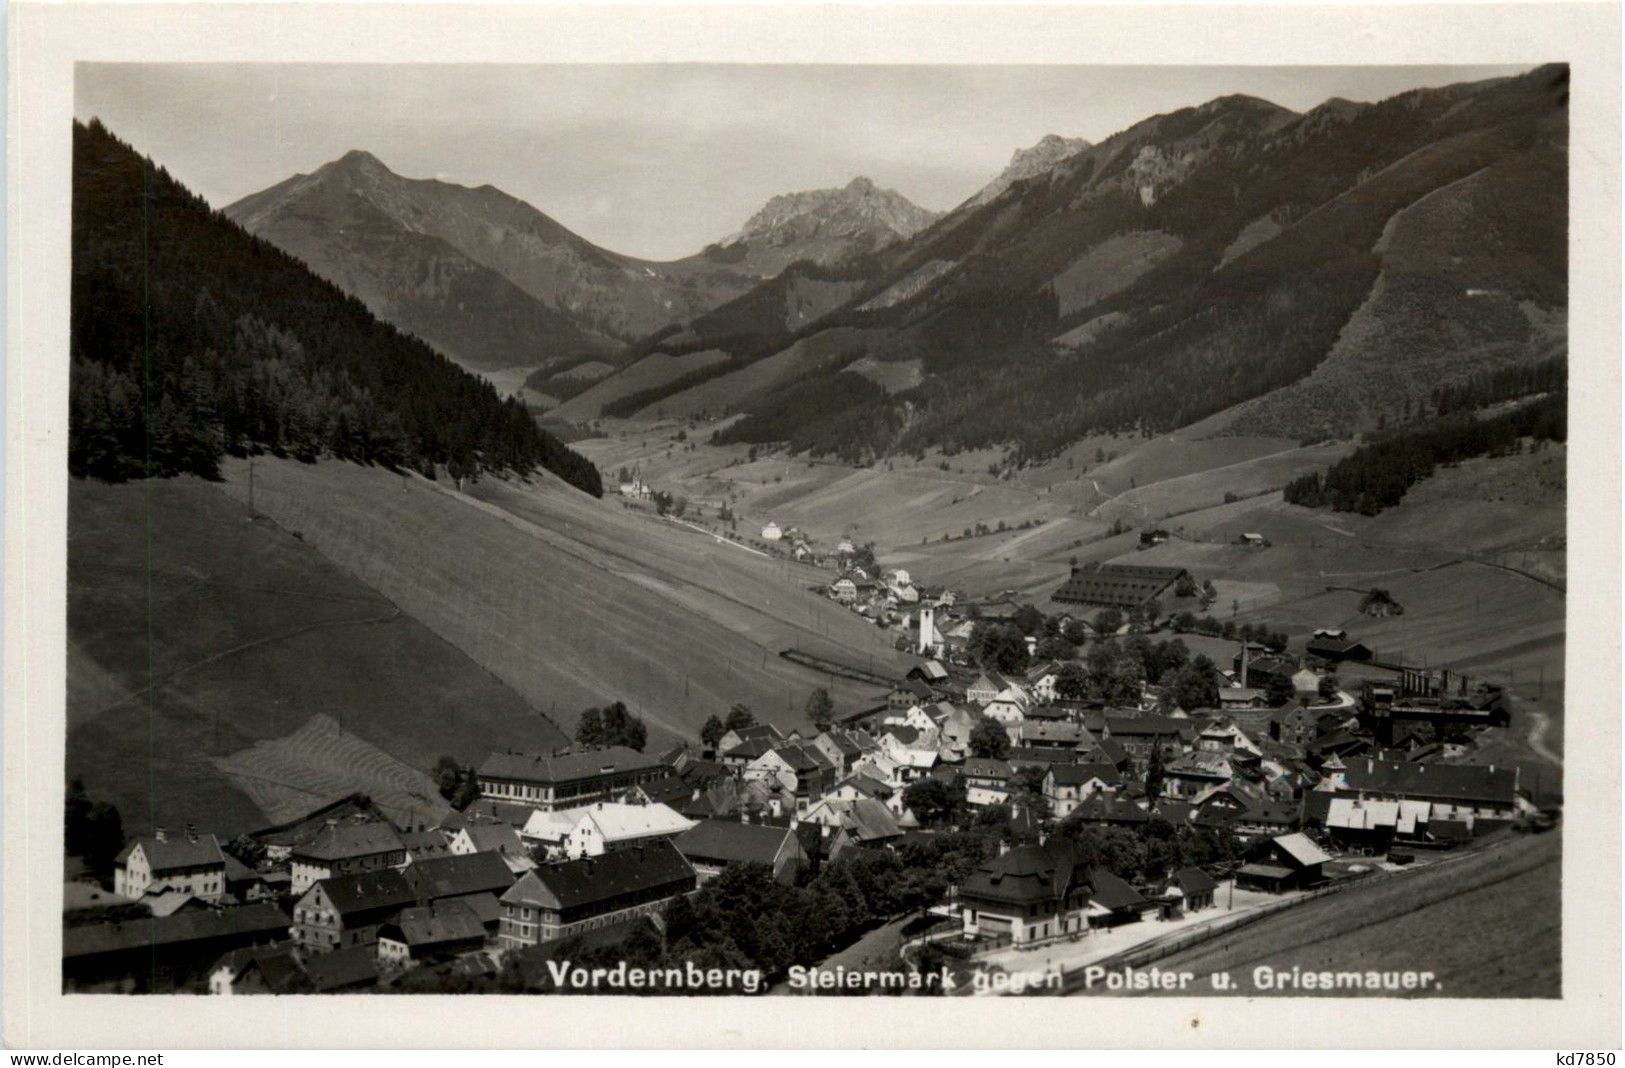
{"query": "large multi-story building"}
pixel 191 863
pixel 566 780
pixel 559 900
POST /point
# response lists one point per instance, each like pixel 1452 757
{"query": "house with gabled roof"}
pixel 345 847
pixel 1294 862
pixel 558 900
pixel 865 821
pixel 713 846
pixel 612 825
pixel 272 969
pixel 987 686
pixel 499 838
pixel 1030 894
pixel 1066 786
pixel 190 863
pixel 422 934
pixel 740 746
pixel 346 910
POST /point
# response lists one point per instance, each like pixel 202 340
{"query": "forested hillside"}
pixel 190 339
pixel 1200 260
pixel 1378 473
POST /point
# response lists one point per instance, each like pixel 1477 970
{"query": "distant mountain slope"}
pixel 1203 258
pixel 190 339
pixel 495 283
pixel 485 276
pixel 1026 163
pixel 824 226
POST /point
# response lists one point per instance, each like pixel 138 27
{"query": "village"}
pixel 1049 789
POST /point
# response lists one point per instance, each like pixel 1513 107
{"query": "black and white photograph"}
pixel 850 529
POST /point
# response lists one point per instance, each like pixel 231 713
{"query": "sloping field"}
pixel 1486 925
pixel 1141 463
pixel 1111 267
pixel 727 392
pixel 195 632
pixel 1174 496
pixel 653 370
pixel 573 601
pixel 287 777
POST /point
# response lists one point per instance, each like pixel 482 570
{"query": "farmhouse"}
pixel 191 863
pixel 347 910
pixel 499 838
pixel 559 900
pixel 1117 585
pixel 345 848
pixel 425 933
pixel 713 846
pixel 565 780
pixel 772 532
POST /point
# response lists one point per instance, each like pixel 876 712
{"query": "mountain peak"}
pixel 825 225
pixel 1050 151
pixel 359 161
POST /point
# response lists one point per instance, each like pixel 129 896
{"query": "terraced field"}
pixel 287 777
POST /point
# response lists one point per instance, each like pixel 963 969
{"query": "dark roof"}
pixel 259 919
pixel 342 841
pixel 1026 874
pixel 454 876
pixel 420 845
pixel 1112 892
pixel 732 843
pixel 176 851
pixel 545 768
pixel 368 891
pixel 1099 809
pixel 1456 782
pixel 343 968
pixel 278 967
pixel 437 924
pixel 1078 774
pixel 1193 881
pixel 654 863
pixel 668 789
pixel 1121 585
pixel 1141 726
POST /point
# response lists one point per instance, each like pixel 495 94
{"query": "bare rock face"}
pixel 824 226
pixel 1025 163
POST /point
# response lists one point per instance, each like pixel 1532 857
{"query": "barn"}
pixel 1116 585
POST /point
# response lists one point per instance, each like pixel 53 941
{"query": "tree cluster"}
pixel 1378 474
pixel 457 783
pixel 614 724
pixel 92 831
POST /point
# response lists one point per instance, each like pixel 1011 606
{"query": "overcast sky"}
pixel 658 161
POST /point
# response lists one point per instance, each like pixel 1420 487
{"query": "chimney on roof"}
pixel 160 835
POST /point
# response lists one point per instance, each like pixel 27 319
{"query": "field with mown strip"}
pixel 574 601
pixel 1487 925
pixel 196 631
